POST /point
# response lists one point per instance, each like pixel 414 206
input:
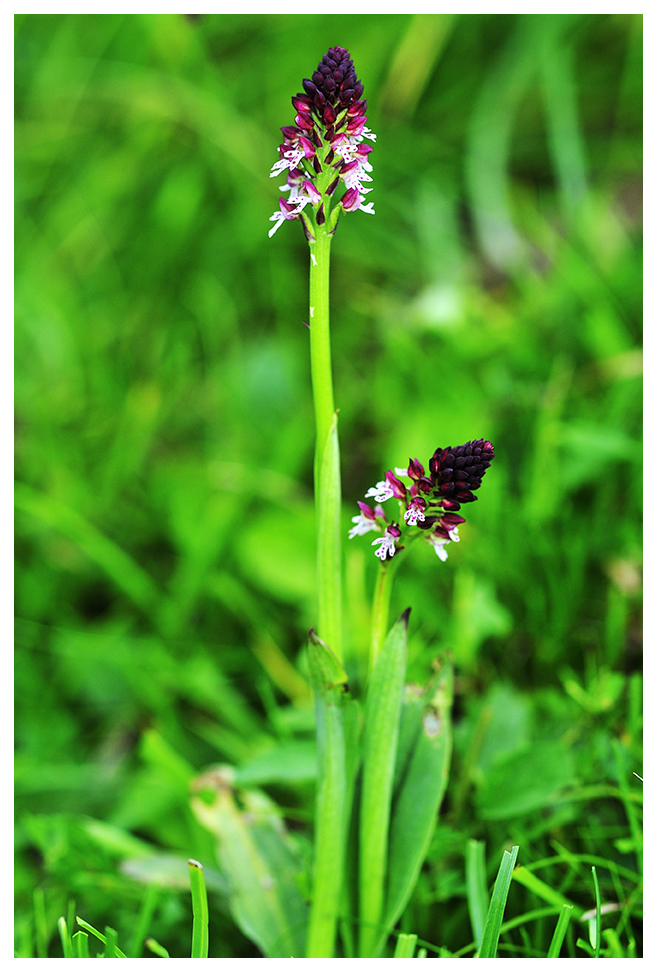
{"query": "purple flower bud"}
pixel 396 485
pixel 315 196
pixel 308 147
pixel 367 510
pixel 415 469
pixel 351 200
pixel 304 121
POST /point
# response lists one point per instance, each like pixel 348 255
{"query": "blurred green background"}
pixel 165 526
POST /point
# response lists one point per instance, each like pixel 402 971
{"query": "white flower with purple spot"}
pixel 363 524
pixel 413 514
pixel 381 492
pixel 387 548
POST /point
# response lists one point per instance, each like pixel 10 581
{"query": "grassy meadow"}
pixel 165 531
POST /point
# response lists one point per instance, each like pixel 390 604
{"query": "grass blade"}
pixel 405 946
pixel 157 949
pixel 65 936
pixel 493 923
pixel 382 714
pixel 117 953
pixel 143 923
pixel 200 932
pixel 80 943
pixel 596 929
pixel 40 925
pixel 111 939
pixel 542 890
pixel 560 931
pixel 477 891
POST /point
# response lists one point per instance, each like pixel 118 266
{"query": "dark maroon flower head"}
pixel 457 472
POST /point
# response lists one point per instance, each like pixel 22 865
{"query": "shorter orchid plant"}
pixel 429 505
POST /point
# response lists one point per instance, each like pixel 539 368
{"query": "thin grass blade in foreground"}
pixel 491 933
pixel 560 931
pixel 381 730
pixel 109 939
pixel 65 936
pixel 200 934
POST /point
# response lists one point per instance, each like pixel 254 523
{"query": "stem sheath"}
pixel 328 498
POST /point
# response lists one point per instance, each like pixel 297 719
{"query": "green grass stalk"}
pixel 200 936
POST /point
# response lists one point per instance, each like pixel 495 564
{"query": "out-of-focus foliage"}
pixel 165 530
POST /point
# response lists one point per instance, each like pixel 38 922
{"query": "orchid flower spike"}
pixel 325 148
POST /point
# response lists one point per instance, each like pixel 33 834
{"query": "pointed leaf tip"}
pixel 404 616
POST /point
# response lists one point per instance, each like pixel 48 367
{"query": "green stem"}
pixel 327 458
pixel 381 608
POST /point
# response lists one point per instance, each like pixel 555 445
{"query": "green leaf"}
pixel 420 793
pixel 525 780
pixel 259 860
pixel 381 732
pixel 493 924
pixel 337 756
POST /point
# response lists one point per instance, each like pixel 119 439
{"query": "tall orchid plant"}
pixel 383 759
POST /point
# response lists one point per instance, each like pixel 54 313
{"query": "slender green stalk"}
pixel 327 457
pixel 65 936
pixel 598 913
pixel 560 931
pixel 40 925
pixel 200 940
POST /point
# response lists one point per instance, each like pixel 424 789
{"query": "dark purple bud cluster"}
pixel 455 473
pixel 334 85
